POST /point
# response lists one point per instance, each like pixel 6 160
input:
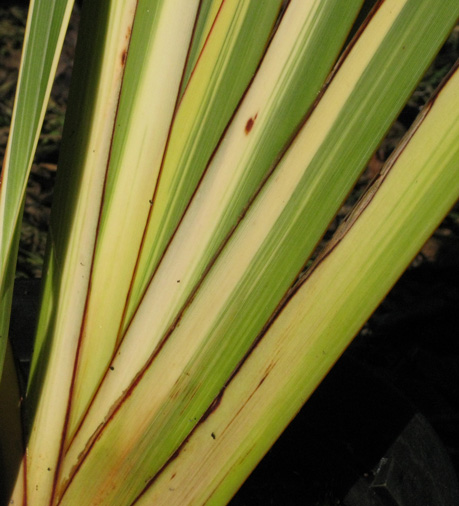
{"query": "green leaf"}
pixel 399 212
pixel 160 39
pixel 226 65
pixel 208 11
pixel 45 31
pixel 168 159
pixel 258 263
pixel 287 83
pixel 88 130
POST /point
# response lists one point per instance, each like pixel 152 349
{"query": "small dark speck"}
pixel 213 435
pixel 178 280
pixel 151 202
pixel 49 469
pixel 112 368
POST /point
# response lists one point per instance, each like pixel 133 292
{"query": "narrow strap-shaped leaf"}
pixel 286 85
pixel 266 251
pixel 94 93
pixel 160 40
pixel 46 27
pixel 399 212
pixel 226 66
pixel 7 287
pixel 207 13
pixel 221 77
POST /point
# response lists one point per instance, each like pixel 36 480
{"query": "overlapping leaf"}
pixel 82 167
pixel 190 196
pixel 260 260
pixel 415 190
pixel 44 37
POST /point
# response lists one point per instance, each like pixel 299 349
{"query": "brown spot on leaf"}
pixel 123 57
pixel 249 124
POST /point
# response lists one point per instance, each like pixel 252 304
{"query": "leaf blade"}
pixel 46 26
pixel 179 375
pixel 399 213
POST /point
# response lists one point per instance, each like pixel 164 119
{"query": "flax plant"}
pixel 207 146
